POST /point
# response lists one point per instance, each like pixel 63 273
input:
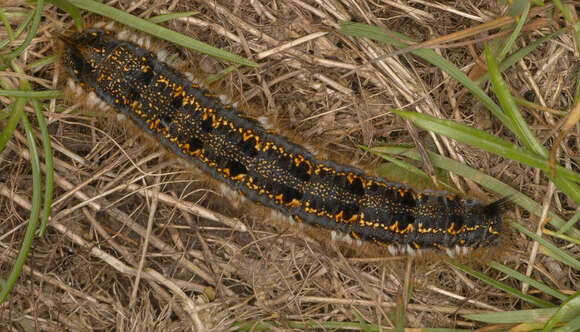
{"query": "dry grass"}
pixel 209 264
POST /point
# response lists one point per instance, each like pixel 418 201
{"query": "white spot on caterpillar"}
pixel 162 55
pixel 92 100
pixel 311 149
pixel 275 214
pixel 102 105
pixel 265 122
pixel 194 80
pixel 235 198
pixel 99 24
pixel 224 99
pixel 392 249
pixel 346 238
pixel 450 252
pixel 410 251
pixel 74 88
pixel 110 26
pixel 333 236
pixel 190 76
pixel 121 117
pixel 123 34
pixel 359 242
pixel 144 41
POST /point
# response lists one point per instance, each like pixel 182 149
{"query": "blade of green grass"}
pixel 536 107
pixel 171 16
pixel 571 326
pixel 46 94
pixel 555 251
pixel 515 317
pixel 15 116
pixel 19 31
pixel 34 212
pixel 42 62
pixel 47 149
pixel 31 32
pixel 209 80
pixel 524 278
pixel 71 10
pixel 571 222
pixel 510 290
pixel 569 17
pixel 159 31
pixel 521 53
pixel 571 305
pixel 521 129
pixel 521 8
pixel 7 26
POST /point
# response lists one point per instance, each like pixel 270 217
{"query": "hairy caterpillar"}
pixel 267 168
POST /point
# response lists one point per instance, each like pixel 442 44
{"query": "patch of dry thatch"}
pixel 209 264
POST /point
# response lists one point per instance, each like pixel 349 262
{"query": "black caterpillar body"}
pixel 267 168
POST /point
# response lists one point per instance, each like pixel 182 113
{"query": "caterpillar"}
pixel 267 168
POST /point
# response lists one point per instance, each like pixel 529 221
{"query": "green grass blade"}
pixel 71 10
pixel 7 26
pixel 46 94
pixel 42 62
pixel 571 326
pixel 555 252
pixel 15 116
pixel 31 33
pixel 19 31
pixel 570 223
pixel 514 317
pixel 521 53
pixel 510 290
pixel 571 305
pixel 171 16
pixel 524 278
pixel 570 20
pixel 49 166
pixel 521 129
pixel 34 212
pixel 159 31
pixel 48 160
pixel 521 8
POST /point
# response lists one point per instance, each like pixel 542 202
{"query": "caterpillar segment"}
pixel 266 168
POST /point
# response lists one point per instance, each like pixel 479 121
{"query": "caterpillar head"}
pixel 84 52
